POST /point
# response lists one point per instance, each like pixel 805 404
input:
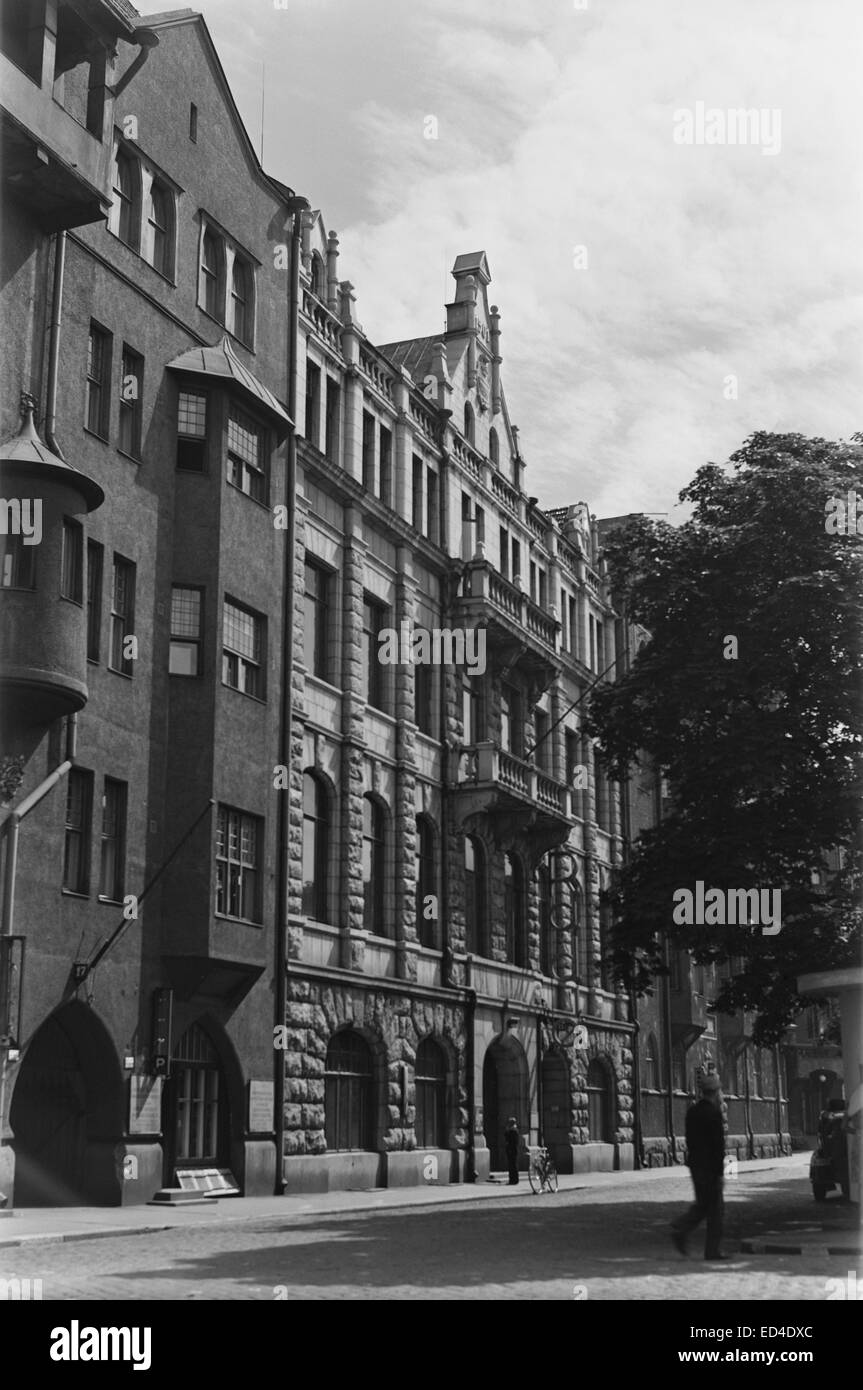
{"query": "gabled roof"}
pixel 413 353
pixel 167 19
pixel 475 261
pixel 222 362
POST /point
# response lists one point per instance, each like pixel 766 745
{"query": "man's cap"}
pixel 710 1083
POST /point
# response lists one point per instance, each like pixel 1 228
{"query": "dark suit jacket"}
pixel 705 1140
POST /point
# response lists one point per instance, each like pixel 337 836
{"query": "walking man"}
pixel 705 1155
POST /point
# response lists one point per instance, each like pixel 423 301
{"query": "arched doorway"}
pixel 600 1102
pixel 556 1104
pixel 67 1113
pixel 505 1092
pixel 196 1107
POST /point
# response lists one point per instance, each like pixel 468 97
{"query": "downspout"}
pixel 146 39
pixel 669 1050
pixel 54 343
pixel 295 206
pixel 750 1137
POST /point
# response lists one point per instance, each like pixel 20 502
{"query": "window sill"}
pixel 21 589
pixel 213 319
pixel 75 893
pixel 322 680
pixel 76 602
pixel 139 255
pixel 258 699
pixel 110 902
pixel 133 458
pixel 240 921
pixel 265 506
pixel 126 675
pixel 102 438
pixel 93 661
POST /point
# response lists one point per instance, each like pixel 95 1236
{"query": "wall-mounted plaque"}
pixel 260 1107
pixel 145 1104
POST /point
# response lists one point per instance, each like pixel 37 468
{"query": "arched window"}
pixel 493 447
pixel 127 198
pixel 426 882
pixel 513 910
pixel 213 274
pixel 599 1103
pixel 474 895
pixel 431 1126
pixel 547 942
pixel 469 432
pixel 678 1068
pixel 650 1066
pixel 241 300
pixel 317 275
pixel 160 228
pixel 373 866
pixel 348 1093
pixel 316 847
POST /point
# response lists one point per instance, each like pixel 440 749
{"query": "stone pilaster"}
pixel 353 744
pixel 405 798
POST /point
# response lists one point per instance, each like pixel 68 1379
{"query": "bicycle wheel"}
pixel 534 1177
pixel 551 1177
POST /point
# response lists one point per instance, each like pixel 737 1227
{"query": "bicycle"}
pixel 541 1173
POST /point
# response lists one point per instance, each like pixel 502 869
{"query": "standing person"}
pixel 511 1144
pixel 705 1155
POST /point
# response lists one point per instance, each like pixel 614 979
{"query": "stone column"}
pixel 333 273
pixel 403 450
pixel 353 744
pixel 405 797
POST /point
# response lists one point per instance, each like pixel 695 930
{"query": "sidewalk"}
pixel 30 1225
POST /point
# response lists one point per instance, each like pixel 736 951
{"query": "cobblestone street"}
pixel 605 1243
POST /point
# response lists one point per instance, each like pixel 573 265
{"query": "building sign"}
pixel 261 1107
pixel 163 1008
pixel 145 1104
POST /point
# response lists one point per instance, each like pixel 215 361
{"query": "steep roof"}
pixel 220 360
pixel 413 353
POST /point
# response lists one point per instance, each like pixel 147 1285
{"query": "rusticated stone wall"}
pixel 393 1025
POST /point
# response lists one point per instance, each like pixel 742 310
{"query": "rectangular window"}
pixel 533 581
pixel 95 564
pixel 246 469
pixel 504 552
pixel 191 431
pixel 417 493
pixel 573 626
pixel 542 591
pixel 600 647
pixel 131 403
pixel 112 879
pixel 479 517
pixel 313 402
pixel 472 720
pixel 516 561
pixel 432 517
pixel 374 684
pixel 17 563
pixel 385 476
pixel 542 742
pixel 72 573
pixel 316 626
pixel 572 764
pixel 368 451
pixel 122 615
pixel 331 431
pixel 239 840
pixel 423 700
pixel 243 654
pixel 98 381
pixel 185 651
pixel 193 123
pixel 467 546
pixel 511 721
pixel 76 853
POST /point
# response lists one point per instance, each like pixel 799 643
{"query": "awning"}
pixel 223 363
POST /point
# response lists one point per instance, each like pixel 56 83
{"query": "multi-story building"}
pixel 306 846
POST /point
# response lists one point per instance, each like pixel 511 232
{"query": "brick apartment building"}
pixel 245 503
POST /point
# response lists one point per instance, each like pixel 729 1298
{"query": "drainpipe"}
pixel 750 1137
pixel 669 1049
pixel 295 207
pixel 777 1071
pixel 470 1065
pixel 54 343
pixel 11 828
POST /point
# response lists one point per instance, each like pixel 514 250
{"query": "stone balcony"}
pixel 518 629
pixel 516 797
pixel 688 1016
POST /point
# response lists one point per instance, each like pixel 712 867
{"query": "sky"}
pixel 664 289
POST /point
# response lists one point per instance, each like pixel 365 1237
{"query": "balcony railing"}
pixel 482 583
pixel 486 765
pixel 326 324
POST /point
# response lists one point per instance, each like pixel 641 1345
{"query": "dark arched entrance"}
pixel 67 1114
pixel 505 1092
pixel 196 1107
pixel 556 1105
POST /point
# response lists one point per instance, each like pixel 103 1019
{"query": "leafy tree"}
pixel 760 743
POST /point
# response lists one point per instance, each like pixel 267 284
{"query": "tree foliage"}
pixel 762 752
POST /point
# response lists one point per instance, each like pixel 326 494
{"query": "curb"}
pixel 498 1192
pixel 772 1247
